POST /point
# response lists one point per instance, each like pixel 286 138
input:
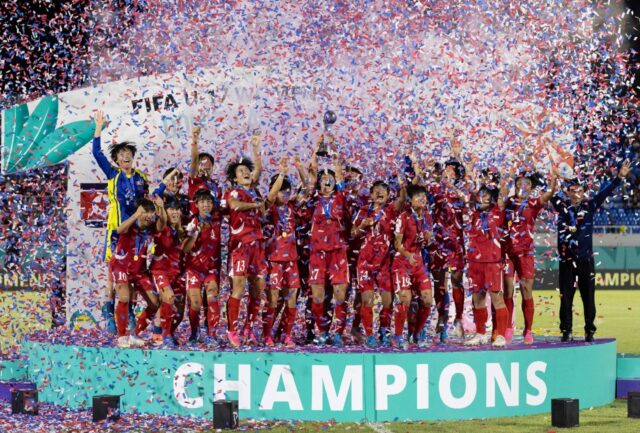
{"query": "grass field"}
pixel 618 314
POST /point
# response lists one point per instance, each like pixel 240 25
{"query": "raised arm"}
pixel 161 212
pixel 610 186
pixel 301 172
pixel 257 158
pixel 337 167
pixel 402 195
pixel 273 192
pixel 129 222
pixel 195 137
pixel 96 148
pixel 553 184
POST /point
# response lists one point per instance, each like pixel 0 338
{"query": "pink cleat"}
pixel 528 337
pixel 234 339
pixel 508 335
pixel 288 342
pixel 268 341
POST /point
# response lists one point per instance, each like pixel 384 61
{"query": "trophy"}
pixel 328 120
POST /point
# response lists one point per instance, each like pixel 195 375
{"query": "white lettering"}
pixel 179 385
pixel 422 382
pixel 384 389
pixel 242 385
pixel 470 389
pixel 537 383
pixel 290 393
pixel 321 380
pixel 495 375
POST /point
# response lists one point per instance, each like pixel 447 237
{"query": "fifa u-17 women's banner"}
pixel 157 113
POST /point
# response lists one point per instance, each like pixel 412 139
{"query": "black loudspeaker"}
pixel 106 407
pixel 633 405
pixel 565 412
pixel 24 401
pixel 225 414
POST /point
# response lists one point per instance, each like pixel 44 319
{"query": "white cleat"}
pixel 123 342
pixel 477 340
pixel 500 341
pixel 136 341
pixel 458 330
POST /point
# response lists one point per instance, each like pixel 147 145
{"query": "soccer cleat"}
pixel 399 342
pixel 458 330
pixel 288 341
pixel 250 338
pixel 500 341
pixel 268 341
pixel 123 342
pixel 322 339
pixel 385 337
pixel 444 336
pixel 494 335
pixel 337 340
pixel 357 336
pixel 528 337
pixel 423 339
pixel 156 339
pixel 477 340
pixel 566 336
pixel 136 341
pixel 588 337
pixel 234 339
pixel 371 342
pixel 508 335
pixel 169 343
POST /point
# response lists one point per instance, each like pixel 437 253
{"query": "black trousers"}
pixel 577 274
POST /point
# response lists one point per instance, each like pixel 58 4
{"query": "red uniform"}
pixel 202 263
pixel 282 250
pixel 166 259
pixel 414 231
pixel 447 249
pixel 196 183
pixel 328 244
pixel 246 243
pixel 485 250
pixel 129 260
pixel 374 264
pixel 519 248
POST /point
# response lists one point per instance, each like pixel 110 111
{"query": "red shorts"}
pixel 195 279
pixel 136 281
pixel 485 277
pixel 332 264
pixel 369 275
pixel 523 264
pixel 407 277
pixel 284 275
pixel 165 279
pixel 443 260
pixel 248 259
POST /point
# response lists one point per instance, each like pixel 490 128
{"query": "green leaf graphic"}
pixel 61 143
pixel 14 119
pixel 41 122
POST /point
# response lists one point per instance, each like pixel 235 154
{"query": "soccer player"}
pixel 129 266
pixel 328 254
pixel 125 186
pixel 200 171
pixel 521 213
pixel 486 261
pixel 282 255
pixel 247 259
pixel 410 274
pixel 170 190
pixel 374 225
pixel 202 266
pixel 575 248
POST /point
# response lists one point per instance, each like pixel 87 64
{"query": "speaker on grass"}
pixel 225 414
pixel 24 401
pixel 633 405
pixel 565 412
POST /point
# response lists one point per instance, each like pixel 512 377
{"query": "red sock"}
pixel 458 300
pixel 400 318
pixel 166 318
pixel 145 318
pixel 194 320
pixel 317 309
pixel 290 319
pixel 423 315
pixel 340 315
pixel 528 310
pixel 233 307
pixel 508 302
pixel 501 320
pixel 385 317
pixel 122 318
pixel 268 321
pixel 480 319
pixel 367 319
pixel 213 315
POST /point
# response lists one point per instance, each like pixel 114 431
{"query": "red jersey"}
pixel 485 233
pixel 328 222
pixel 448 213
pixel 520 219
pixel 244 225
pixel 167 251
pixel 130 254
pixel 414 230
pixel 205 253
pixel 281 247
pixel 354 202
pixel 376 240
pixel 196 183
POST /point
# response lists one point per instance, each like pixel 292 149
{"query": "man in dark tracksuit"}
pixel 575 248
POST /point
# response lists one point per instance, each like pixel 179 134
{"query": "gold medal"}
pixel 573 229
pixel 285 234
pixel 135 257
